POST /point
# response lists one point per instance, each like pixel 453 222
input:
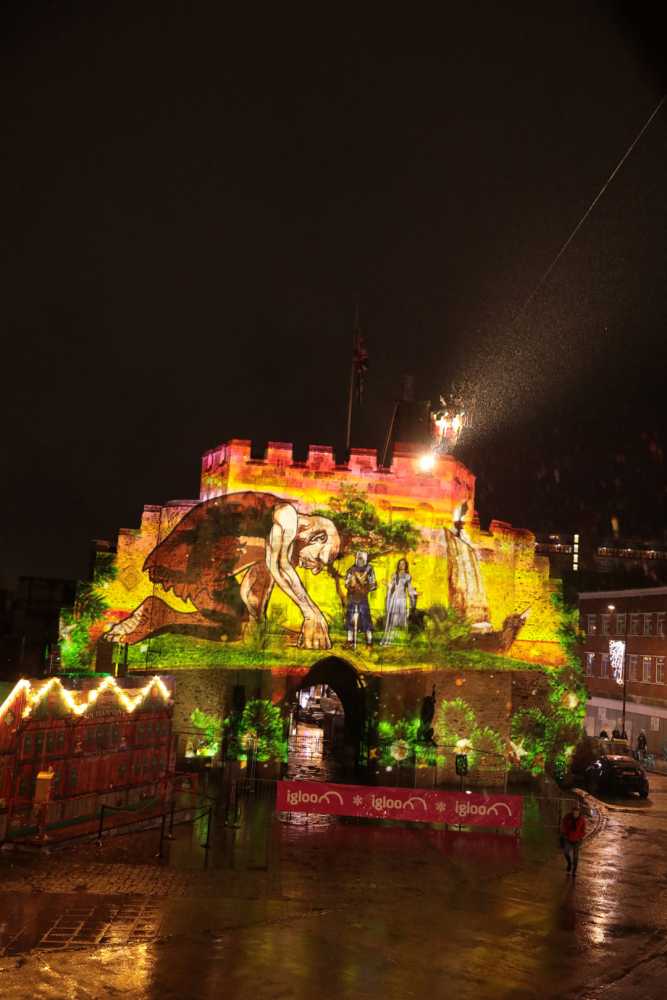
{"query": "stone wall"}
pixel 494 696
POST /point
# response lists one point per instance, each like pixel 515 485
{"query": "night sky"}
pixel 194 200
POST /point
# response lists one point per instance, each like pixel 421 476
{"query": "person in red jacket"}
pixel 572 831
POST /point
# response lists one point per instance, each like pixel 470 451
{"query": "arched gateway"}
pixel 340 677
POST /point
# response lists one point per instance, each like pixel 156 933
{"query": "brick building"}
pixel 626 639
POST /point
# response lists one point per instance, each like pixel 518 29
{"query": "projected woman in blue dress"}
pixel 401 598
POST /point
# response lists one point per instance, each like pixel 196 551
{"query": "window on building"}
pixel 660 624
pixel 604 665
pixel 73 777
pixel 646 669
pixel 27 745
pixel 620 624
pixel 659 670
pixel 634 667
pixel 591 627
pixel 634 623
pixel 655 723
pixel 590 663
pixel 648 624
pixel 604 624
pixel 50 742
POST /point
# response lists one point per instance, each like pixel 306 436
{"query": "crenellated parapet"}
pixel 444 488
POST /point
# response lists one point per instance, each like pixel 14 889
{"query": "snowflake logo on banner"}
pixel 357 800
pixel 441 807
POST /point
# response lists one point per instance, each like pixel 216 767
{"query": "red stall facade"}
pixel 67 750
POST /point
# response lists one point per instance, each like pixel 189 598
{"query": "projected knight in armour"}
pixel 360 582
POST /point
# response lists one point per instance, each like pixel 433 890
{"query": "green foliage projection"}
pixel 456 721
pixel 260 730
pixel 444 627
pixel 401 741
pixel 547 738
pixel 361 528
pixel 210 727
pixel 77 649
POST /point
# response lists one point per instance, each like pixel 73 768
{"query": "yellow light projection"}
pixel 283 555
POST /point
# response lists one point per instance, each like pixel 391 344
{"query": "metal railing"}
pixel 148 823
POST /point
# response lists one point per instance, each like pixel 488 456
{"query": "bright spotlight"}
pixel 427 462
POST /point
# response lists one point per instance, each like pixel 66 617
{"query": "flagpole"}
pixel 348 439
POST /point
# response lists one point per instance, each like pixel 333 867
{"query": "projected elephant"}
pixel 255 536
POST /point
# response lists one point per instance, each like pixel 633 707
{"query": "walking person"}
pixel 572 831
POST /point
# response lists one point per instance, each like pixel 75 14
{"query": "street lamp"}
pixel 427 462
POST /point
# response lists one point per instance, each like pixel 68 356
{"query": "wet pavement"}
pixel 344 910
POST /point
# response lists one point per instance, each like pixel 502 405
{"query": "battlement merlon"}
pixel 229 468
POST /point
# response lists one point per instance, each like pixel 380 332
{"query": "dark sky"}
pixel 194 199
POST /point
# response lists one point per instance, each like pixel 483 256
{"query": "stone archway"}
pixel 342 678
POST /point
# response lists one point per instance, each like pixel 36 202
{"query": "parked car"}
pixel 614 774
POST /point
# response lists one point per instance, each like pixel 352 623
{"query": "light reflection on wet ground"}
pixel 357 910
pixel 311 759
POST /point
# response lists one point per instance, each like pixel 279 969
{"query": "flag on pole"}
pixel 359 359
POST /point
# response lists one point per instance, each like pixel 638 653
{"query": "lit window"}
pixel 634 624
pixel 620 624
pixel 590 663
pixel 659 670
pixel 646 669
pixel 648 624
pixel 592 624
pixel 634 667
pixel 604 624
pixel 655 723
pixel 604 665
pixel 660 623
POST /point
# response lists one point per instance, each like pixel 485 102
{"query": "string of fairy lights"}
pixel 130 702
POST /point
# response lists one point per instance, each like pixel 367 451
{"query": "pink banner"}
pixel 416 804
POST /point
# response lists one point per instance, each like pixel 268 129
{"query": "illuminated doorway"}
pixel 326 722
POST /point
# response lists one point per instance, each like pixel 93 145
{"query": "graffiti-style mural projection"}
pixel 280 559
